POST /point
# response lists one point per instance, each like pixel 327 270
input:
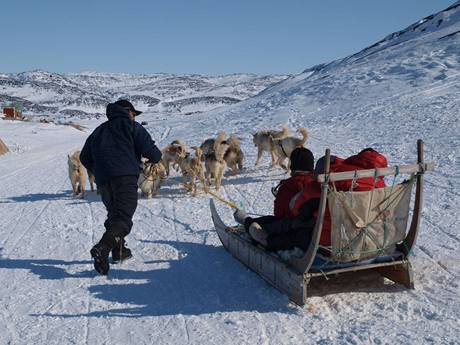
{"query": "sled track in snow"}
pixel 31 164
pixel 433 259
pixel 176 231
pixel 152 214
pixel 93 223
pixel 16 222
pixel 36 218
pixel 447 189
pixel 88 293
pixel 10 327
pixel 440 228
pixel 61 155
pixel 50 179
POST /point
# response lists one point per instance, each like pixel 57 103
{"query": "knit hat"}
pixel 302 159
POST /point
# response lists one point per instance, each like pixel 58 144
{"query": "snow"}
pixel 182 287
pixel 89 92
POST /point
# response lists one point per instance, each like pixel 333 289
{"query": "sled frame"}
pixel 293 277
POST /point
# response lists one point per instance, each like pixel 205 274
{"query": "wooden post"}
pixel 411 237
pixel 303 264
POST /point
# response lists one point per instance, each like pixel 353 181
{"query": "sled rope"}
pixel 218 197
pixel 215 195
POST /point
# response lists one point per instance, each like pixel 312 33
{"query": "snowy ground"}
pixel 183 287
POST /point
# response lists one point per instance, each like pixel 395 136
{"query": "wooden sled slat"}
pixel 401 169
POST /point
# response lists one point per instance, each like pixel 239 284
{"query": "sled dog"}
pixel 207 147
pixel 192 168
pixel 150 178
pixel 234 155
pixel 284 147
pixel 171 154
pixel 77 174
pixel 215 162
pixel 263 140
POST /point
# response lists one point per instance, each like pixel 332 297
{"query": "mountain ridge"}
pixel 87 93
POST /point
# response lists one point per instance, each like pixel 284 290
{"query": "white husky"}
pixel 77 174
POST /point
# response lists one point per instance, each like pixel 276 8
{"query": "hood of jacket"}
pixel 115 111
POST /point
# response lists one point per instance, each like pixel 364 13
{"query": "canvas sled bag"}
pixel 368 224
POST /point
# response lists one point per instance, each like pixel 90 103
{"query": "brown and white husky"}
pixel 171 154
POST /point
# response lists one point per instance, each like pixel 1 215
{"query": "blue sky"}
pixel 196 36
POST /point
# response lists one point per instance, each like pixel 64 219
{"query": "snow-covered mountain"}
pixel 407 84
pixel 79 94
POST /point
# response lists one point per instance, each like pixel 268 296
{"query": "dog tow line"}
pixel 215 195
pixel 218 197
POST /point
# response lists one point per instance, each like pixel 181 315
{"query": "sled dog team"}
pixel 205 164
pixel 114 151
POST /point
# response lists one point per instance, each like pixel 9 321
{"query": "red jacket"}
pixel 364 160
pixel 286 191
pixel 313 191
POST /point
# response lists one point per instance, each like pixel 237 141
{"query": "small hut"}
pixel 13 112
pixel 3 148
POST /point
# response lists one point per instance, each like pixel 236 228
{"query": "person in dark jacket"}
pixel 286 230
pixel 113 154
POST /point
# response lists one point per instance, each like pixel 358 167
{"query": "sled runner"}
pixel 368 232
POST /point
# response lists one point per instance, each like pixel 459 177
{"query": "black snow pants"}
pixel 284 233
pixel 119 196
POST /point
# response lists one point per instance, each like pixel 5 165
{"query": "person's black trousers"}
pixel 283 233
pixel 119 196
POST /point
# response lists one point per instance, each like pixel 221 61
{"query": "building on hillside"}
pixel 13 112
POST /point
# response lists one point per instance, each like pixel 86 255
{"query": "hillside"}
pixel 87 93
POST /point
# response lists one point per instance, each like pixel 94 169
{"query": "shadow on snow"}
pixel 64 195
pixel 204 279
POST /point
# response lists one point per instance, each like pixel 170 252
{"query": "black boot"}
pixel 120 252
pixel 100 252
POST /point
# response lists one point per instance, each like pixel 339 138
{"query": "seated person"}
pixel 295 228
pixel 302 162
pixel 288 228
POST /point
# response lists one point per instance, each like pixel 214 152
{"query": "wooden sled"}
pixel 292 277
